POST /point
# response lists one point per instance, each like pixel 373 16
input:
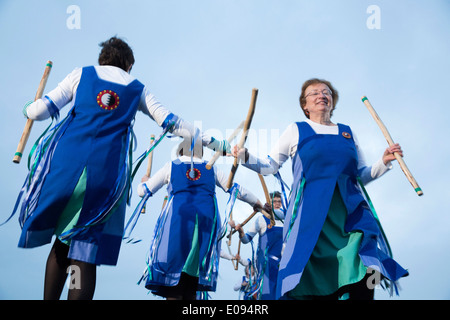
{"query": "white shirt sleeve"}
pixel 61 96
pixel 225 255
pixel 369 173
pixel 285 147
pixel 152 107
pixel 156 181
pixel 258 227
pixel 156 110
pixel 244 194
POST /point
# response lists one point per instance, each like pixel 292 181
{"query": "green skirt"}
pixel 334 262
pixel 69 217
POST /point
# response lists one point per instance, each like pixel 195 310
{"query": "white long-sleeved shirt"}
pixel 162 177
pixel 259 226
pixel 287 147
pixel 230 257
pixel 65 93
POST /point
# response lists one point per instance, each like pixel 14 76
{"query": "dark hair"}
pixel 334 94
pixel 116 52
pixel 275 194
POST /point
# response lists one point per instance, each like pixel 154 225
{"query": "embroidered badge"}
pixel 197 174
pixel 108 99
pixel 346 135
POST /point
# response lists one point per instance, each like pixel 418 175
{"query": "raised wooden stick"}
pixel 149 164
pixel 219 152
pixel 29 124
pixel 388 137
pixel 247 123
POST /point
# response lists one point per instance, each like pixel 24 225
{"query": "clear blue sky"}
pixel 201 59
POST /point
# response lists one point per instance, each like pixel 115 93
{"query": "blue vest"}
pixel 94 136
pixel 268 259
pixel 191 209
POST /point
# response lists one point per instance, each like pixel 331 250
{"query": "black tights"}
pixel 186 289
pixel 82 279
pixel 356 291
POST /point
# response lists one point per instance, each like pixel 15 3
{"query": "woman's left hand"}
pixel 388 155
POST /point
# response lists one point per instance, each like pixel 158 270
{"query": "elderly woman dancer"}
pixel 332 239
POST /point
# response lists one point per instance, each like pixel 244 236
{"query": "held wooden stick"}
pixel 238 254
pixel 268 216
pixel 268 200
pixel 231 254
pixel 245 221
pixel 149 164
pixel 29 124
pixel 388 137
pixel 247 123
pixel 219 152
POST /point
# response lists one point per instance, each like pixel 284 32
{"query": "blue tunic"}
pixel 322 163
pixel 186 234
pixel 93 141
pixel 268 259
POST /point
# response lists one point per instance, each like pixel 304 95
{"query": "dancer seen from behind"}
pixel 79 181
pixel 185 250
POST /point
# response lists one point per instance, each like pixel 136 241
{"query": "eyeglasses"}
pixel 316 93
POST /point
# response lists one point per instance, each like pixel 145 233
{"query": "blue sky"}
pixel 202 59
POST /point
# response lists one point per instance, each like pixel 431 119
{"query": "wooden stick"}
pixel 232 231
pixel 231 254
pixel 149 164
pixel 388 137
pixel 238 253
pixel 249 218
pixel 164 202
pixel 219 152
pixel 247 123
pixel 29 124
pixel 150 158
pixel 268 200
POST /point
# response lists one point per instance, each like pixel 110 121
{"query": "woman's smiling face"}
pixel 318 99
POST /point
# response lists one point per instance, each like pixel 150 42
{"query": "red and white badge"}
pixel 195 176
pixel 108 99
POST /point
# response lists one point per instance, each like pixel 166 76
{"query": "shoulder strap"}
pixel 344 130
pixel 305 133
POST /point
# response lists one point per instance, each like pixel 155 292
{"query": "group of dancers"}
pixel 326 242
